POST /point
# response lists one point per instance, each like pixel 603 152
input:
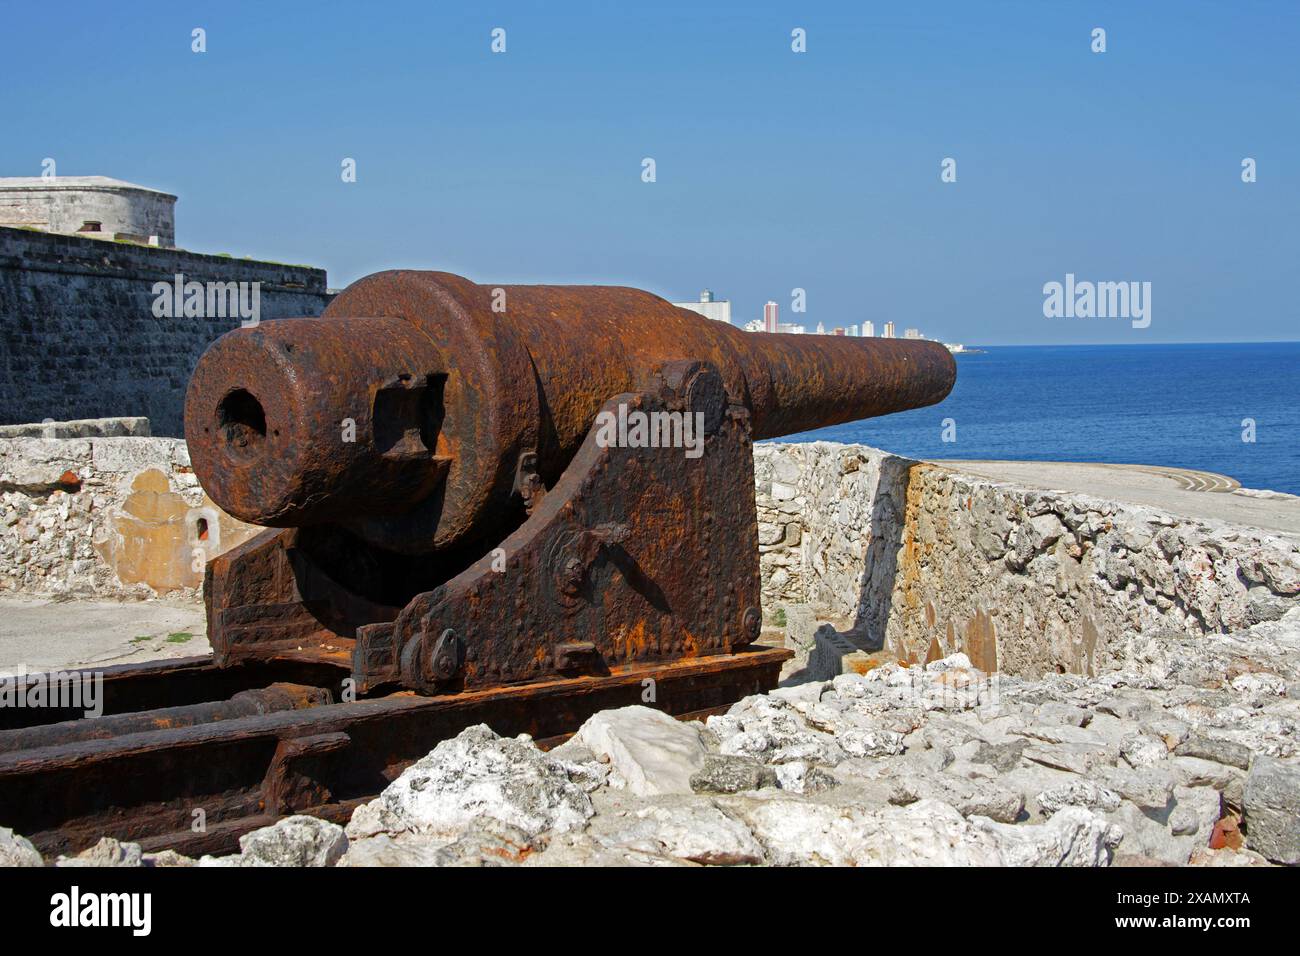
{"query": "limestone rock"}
pixel 1150 788
pixel 723 774
pixel 800 777
pixel 17 850
pixel 1002 756
pixel 581 849
pixel 294 841
pixel 650 752
pixel 968 797
pixel 1142 750
pixel 1196 772
pixel 1204 856
pixel 476 774
pixel 1218 749
pixel 1169 835
pixel 697 831
pixel 168 858
pixel 107 852
pixel 1079 793
pixel 772 730
pixel 486 842
pixel 870 743
pixel 926 833
pixel 580 765
pixel 1072 837
pixel 1272 805
pixel 1077 758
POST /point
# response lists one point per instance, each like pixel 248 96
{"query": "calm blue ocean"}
pixel 1179 405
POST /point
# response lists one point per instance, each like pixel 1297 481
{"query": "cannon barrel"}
pixel 404 411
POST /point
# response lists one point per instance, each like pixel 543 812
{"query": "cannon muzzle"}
pixel 413 408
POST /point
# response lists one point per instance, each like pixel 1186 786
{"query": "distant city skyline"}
pixel 772 170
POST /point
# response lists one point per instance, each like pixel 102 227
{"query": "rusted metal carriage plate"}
pixel 245 772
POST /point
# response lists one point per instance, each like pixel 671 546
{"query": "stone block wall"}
pixel 65 204
pixel 106 517
pixel 78 333
pixel 930 561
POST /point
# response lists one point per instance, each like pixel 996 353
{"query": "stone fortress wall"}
pixel 95 206
pixel 78 334
pixel 918 558
pixel 928 561
pixel 100 509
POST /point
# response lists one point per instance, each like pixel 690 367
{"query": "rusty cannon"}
pixel 482 485
pixel 511 505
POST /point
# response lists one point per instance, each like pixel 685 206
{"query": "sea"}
pixel 1232 409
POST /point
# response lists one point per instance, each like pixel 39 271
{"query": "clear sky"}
pixel 775 170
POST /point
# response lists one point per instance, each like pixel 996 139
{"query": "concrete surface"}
pixel 1201 495
pixel 38 634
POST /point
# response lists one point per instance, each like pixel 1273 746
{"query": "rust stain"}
pixel 935 652
pixel 158 539
pixel 981 642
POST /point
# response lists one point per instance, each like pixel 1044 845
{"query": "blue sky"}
pixel 775 170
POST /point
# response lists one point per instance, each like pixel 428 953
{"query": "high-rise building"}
pixel 912 333
pixel 709 307
pixel 770 322
pixel 888 333
pixel 838 332
pixel 821 329
pixel 869 330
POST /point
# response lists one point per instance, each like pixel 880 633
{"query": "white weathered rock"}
pixel 724 774
pixel 1142 751
pixel 294 841
pixel 1272 804
pixel 1204 856
pixel 16 850
pixel 968 797
pixel 927 833
pixel 860 742
pixel 1150 788
pixel 697 831
pixel 1079 793
pixel 168 858
pixel 1168 836
pixel 1195 772
pixel 476 774
pixel 798 776
pixel 773 730
pixel 650 752
pixel 107 852
pixel 1072 837
pixel 581 849
pixel 580 765
pixel 1076 758
pixel 485 842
